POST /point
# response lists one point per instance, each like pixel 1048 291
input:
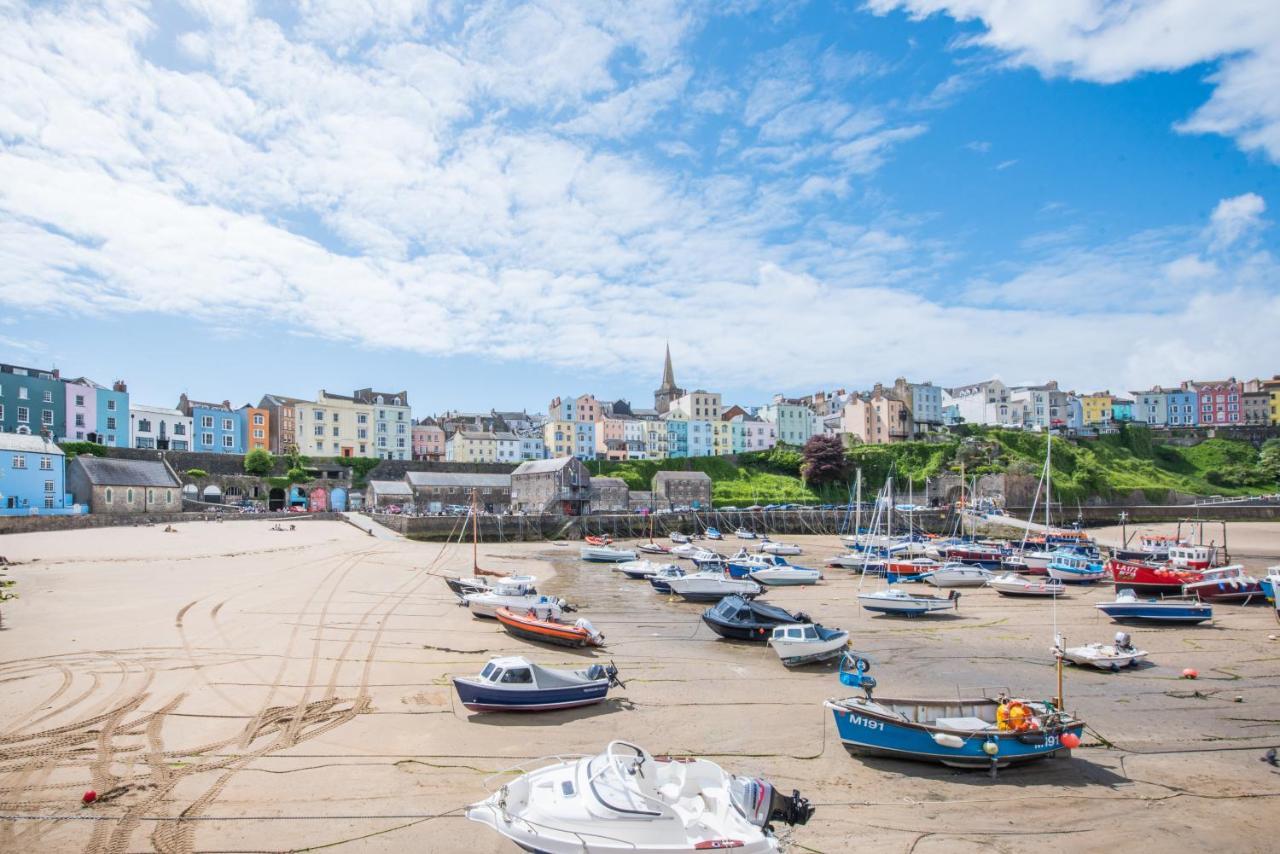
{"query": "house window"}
pixel 46 464
pixel 107 495
pixel 168 496
pixel 128 496
pixel 206 439
pixel 227 425
pixel 257 419
pixel 48 502
pixel 206 421
pixel 19 461
pixel 46 416
pixel 24 414
pixel 79 419
pixel 48 486
pixel 151 496
pixel 79 400
pixel 228 441
pixel 111 422
pixel 48 397
pixel 111 406
pixel 257 434
pixel 319 415
pixel 179 429
pixel 22 393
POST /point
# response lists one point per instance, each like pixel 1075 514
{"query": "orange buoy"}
pixel 1190 673
pixel 1070 740
pixel 89 797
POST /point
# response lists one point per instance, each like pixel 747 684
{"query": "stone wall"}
pixel 33 524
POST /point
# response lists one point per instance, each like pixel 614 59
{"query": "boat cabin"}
pixel 795 633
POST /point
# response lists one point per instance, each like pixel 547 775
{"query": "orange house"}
pixel 257 427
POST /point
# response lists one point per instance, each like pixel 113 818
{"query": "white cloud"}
pixel 1234 219
pixel 1108 41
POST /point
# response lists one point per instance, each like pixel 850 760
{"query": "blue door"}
pixel 338 500
pixel 297 497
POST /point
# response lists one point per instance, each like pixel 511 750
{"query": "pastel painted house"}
pixel 159 428
pixel 32 402
pixel 255 427
pixel 1218 402
pixel 216 425
pixel 33 477
pixel 95 413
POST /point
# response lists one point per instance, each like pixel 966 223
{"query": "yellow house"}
pixel 723 440
pixel 558 438
pixel 334 425
pixel 1272 387
pixel 1096 407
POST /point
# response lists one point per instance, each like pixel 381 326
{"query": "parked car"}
pixel 729 509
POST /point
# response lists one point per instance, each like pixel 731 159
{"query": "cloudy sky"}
pixel 491 203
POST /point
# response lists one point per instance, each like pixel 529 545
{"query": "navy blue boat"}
pixel 515 684
pixel 738 619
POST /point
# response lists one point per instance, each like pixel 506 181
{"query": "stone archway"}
pixel 338 499
pixel 212 494
pixel 275 500
pixel 319 499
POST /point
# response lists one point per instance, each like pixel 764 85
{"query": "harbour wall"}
pixel 35 524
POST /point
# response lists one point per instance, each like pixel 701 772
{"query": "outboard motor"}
pixel 761 804
pixel 1123 641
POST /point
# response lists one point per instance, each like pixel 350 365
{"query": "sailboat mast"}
pixel 857 507
pixel 475 534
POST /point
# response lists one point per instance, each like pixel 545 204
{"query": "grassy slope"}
pixel 1107 465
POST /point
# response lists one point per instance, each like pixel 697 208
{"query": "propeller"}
pixel 612 673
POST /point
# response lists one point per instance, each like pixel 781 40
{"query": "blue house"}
pixel 677 437
pixel 1182 408
pixel 216 427
pixel 33 477
pixel 113 415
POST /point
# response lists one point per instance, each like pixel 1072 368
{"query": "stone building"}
pixel 281 422
pixel 562 485
pixel 436 492
pixel 609 495
pixel 121 487
pixel 384 493
pixel 681 489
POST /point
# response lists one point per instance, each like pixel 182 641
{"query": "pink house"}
pixel 611 433
pixel 428 441
pixel 82 409
pixel 1218 401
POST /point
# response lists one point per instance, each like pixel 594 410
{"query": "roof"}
pixel 542 466
pixel 283 400
pixel 104 471
pixel 615 482
pixel 28 443
pixel 156 410
pixel 448 478
pixel 681 475
pixel 368 395
pixel 390 487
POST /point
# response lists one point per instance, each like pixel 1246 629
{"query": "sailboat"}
pixel 478 582
pixel 651 547
pixel 893 600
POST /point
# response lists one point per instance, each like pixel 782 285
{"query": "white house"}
pixel 159 428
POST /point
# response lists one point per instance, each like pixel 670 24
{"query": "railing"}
pixel 1271 498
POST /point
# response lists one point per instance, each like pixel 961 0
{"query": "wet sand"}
pixel 289 690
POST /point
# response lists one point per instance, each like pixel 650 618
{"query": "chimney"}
pixel 119 386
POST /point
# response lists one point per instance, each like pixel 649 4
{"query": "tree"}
pixel 259 461
pixel 824 460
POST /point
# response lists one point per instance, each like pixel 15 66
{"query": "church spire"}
pixel 662 397
pixel 668 375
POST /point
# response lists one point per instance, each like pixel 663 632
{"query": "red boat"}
pixel 532 626
pixel 1193 557
pixel 1229 584
pixel 1144 577
pixel 911 568
pixel 989 557
pixel 598 541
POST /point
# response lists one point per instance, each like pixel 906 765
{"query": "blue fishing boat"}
pixel 1128 607
pixel 981 733
pixel 1075 569
pixel 515 684
pixel 714 534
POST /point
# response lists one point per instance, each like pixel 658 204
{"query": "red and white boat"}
pixel 538 625
pixel 1229 584
pixel 1152 548
pixel 911 568
pixel 1193 557
pixel 1149 577
pixel 592 540
pixel 979 554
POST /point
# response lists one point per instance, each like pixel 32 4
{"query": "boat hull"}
pixel 542 631
pixel 1148 578
pixel 489 698
pixel 1145 613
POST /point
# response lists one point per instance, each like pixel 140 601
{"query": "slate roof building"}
pixel 561 485
pixel 681 489
pixel 124 486
pixel 435 491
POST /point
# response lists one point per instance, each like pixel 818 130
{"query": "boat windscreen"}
pixel 518 675
pixel 487 672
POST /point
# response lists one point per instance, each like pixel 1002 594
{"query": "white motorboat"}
pixel 957 575
pixel 770 547
pixel 744 534
pixel 487 604
pixel 653 549
pixel 900 602
pixel 685 550
pixel 626 800
pixel 807 643
pixel 856 561
pixel 481 584
pixel 1011 584
pixel 785 576
pixel 638 568
pixel 1120 653
pixel 711 585
pixel 606 554
pixel 679 538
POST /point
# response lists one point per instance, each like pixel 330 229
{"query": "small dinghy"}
pixel 603 540
pixel 661 579
pixel 1227 584
pixel 904 604
pixel 606 554
pixel 516 684
pixel 1076 569
pixel 983 732
pixel 539 624
pixel 480 584
pixel 808 643
pixel 679 538
pixel 1128 606
pixel 957 575
pixel 785 576
pixel 740 619
pixel 626 800
pixel 744 534
pixel 714 534
pixel 769 547
pixel 639 569
pixel 711 586
pixel 1119 653
pixel 653 549
pixel 1011 584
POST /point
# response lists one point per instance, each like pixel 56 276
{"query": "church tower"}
pixel 668 391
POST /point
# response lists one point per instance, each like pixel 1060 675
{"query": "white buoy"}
pixel 946 739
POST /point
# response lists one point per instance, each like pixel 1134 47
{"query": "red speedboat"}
pixel 1227 584
pixel 1144 577
pixel 911 568
pixel 542 627
pixel 988 557
pixel 592 540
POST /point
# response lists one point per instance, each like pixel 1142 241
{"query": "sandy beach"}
pixel 284 691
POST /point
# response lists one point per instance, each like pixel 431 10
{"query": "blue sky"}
pixel 490 204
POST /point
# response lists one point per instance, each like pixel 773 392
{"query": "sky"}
pixel 490 204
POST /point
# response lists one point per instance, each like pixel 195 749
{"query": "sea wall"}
pixel 33 524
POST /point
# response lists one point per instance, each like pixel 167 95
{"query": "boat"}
pixel 714 534
pixel 807 643
pixel 981 732
pixel 602 540
pixel 487 603
pixel 660 580
pixel 977 554
pixel 744 534
pixel 706 559
pixel 1148 577
pixel 679 538
pixel 627 800
pixel 1119 653
pixel 785 575
pixel 902 603
pixel 768 546
pixel 1186 556
pixel 1228 584
pixel 850 560
pixel 1270 582
pixel 480 584
pixel 653 549
pixel 606 554
pixel 538 624
pixel 1128 607
pixel 1076 569
pixel 1151 548
pixel 711 586
pixel 516 684
pixel 686 550
pixel 911 570
pixel 957 575
pixel 741 619
pixel 1016 585
pixel 639 568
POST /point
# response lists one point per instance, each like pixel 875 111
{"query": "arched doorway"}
pixel 319 499
pixel 275 501
pixel 339 499
pixel 297 498
pixel 212 494
pixel 191 492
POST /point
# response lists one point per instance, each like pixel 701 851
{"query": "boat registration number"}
pixel 869 723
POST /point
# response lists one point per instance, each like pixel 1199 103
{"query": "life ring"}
pixel 1014 716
